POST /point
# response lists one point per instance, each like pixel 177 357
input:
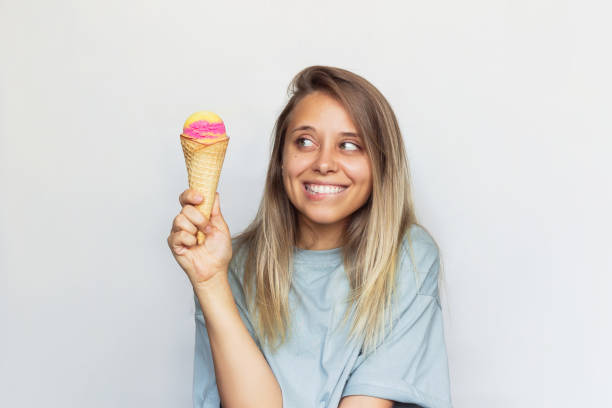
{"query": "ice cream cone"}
pixel 204 163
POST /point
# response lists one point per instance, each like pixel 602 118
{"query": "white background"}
pixel 505 111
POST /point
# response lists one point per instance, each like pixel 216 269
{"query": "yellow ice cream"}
pixel 205 127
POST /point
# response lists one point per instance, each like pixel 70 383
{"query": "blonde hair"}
pixel 373 236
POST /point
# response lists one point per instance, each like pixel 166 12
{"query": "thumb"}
pixel 215 215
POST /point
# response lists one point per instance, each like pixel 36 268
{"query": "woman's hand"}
pixel 205 261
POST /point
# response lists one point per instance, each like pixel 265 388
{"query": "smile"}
pixel 323 188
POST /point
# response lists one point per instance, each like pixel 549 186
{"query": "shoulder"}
pixel 419 261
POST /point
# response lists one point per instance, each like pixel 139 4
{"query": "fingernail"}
pixel 198 197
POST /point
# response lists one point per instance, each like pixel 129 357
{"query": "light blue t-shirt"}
pixel 315 367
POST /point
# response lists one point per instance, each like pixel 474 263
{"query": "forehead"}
pixel 320 108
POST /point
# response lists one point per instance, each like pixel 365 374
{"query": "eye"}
pixel 302 141
pixel 351 146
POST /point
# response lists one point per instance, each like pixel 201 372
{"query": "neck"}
pixel 318 237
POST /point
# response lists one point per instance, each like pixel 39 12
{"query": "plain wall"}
pixel 505 111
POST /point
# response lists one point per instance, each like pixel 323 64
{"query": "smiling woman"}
pixel 326 173
pixel 335 241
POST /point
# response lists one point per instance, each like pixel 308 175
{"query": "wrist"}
pixel 212 284
pixel 214 295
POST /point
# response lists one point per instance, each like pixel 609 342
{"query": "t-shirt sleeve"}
pixel 205 392
pixel 410 366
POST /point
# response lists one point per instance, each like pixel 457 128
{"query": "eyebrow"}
pixel 307 127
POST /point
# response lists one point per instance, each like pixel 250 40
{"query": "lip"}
pixel 325 183
pixel 321 196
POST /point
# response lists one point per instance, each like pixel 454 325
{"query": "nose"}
pixel 326 160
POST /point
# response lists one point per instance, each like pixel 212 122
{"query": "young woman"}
pixel 330 297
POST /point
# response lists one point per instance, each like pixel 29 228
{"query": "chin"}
pixel 324 218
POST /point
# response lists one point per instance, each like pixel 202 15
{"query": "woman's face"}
pixel 326 171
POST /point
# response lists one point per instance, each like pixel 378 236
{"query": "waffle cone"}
pixel 204 163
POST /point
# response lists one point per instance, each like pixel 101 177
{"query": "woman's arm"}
pixel 244 378
pixel 363 401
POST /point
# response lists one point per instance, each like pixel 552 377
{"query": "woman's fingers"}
pixel 181 222
pixel 180 241
pixel 185 239
pixel 195 217
pixel 190 196
pixel 191 219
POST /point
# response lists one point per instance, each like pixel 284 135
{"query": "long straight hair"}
pixel 373 236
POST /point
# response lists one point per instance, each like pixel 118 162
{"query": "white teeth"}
pixel 324 189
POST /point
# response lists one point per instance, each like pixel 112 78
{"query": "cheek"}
pixel 295 165
pixel 360 171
